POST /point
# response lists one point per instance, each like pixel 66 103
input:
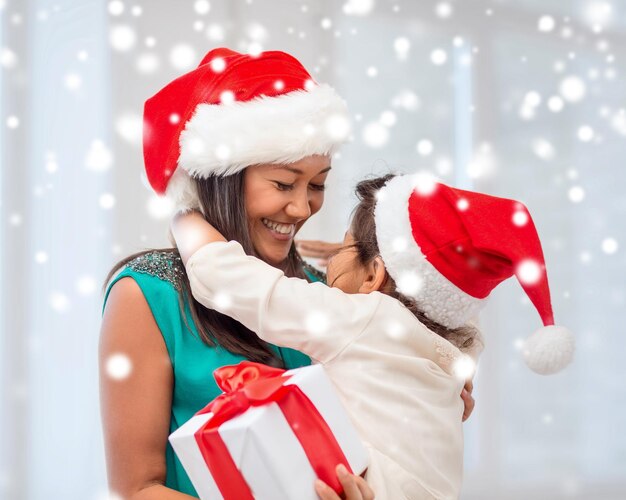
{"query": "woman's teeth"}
pixel 279 228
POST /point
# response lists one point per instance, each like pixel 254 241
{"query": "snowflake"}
pixel 528 272
pixel 395 330
pixel 215 32
pixel 337 127
pixel 462 205
pixel 443 10
pixel 585 133
pixel 122 38
pixel 464 367
pixel 438 57
pixel 316 323
pixel 86 285
pixel 598 14
pixel 609 246
pixel 218 64
pixel 13 122
pixel 358 7
pixel 407 100
pixel 425 147
pixel 73 81
pixel 116 7
pixel 572 88
pixel 402 46
pixel 202 7
pixel 257 32
pixel 118 366
pixel 375 135
pixel 8 58
pixel 51 163
pixel 106 201
pixel 388 118
pixel 59 302
pixel 41 257
pixel 546 24
pixel 409 283
pixel 520 217
pixel 130 128
pixel 99 157
pixel 183 57
pixel 555 104
pixel 543 149
pixel 160 207
pixel 147 63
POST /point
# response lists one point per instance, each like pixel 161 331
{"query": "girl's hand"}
pixel 321 250
pixel 468 400
pixel 191 232
pixel 354 487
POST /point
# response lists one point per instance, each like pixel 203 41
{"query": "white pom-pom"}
pixel 549 350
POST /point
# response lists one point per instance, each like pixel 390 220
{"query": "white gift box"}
pixel 265 449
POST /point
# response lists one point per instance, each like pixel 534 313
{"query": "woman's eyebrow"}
pixel 300 172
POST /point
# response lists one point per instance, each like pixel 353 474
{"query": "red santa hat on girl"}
pixel 235 110
pixel 447 249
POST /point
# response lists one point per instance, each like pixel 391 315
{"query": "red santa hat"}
pixel 235 110
pixel 447 249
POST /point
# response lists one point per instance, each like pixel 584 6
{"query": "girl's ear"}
pixel 375 276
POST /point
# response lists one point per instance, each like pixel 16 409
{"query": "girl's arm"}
pixel 310 317
pixel 135 409
pixel 191 232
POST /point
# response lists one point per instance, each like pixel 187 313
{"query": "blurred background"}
pixel 517 98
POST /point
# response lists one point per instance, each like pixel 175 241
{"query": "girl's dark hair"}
pixel 223 204
pixel 363 229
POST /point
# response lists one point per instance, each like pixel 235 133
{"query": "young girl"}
pixel 391 328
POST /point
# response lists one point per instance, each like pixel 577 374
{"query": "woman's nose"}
pixel 299 206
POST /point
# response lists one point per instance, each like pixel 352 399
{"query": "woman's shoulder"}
pixel 156 278
pixel 164 265
pixel 161 270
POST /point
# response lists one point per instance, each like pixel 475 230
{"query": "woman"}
pixel 201 132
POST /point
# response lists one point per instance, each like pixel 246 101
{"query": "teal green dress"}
pixel 159 276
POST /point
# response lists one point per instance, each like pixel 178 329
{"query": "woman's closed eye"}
pixel 281 186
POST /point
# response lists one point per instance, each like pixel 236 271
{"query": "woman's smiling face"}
pixel 279 199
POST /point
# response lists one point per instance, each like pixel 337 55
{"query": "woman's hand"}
pixel 321 250
pixel 354 487
pixel 468 400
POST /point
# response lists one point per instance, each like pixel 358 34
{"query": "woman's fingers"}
pixel 348 481
pixel 317 249
pixel 366 491
pixel 324 491
pixel 354 487
pixel 469 403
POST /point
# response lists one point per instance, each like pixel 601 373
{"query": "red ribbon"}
pixel 252 384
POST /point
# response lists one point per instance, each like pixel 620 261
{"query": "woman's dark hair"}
pixel 223 204
pixel 363 229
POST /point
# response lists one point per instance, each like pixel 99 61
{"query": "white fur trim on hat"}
pixel 226 138
pixel 182 191
pixel 416 277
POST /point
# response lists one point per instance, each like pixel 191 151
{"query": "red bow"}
pixel 246 384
